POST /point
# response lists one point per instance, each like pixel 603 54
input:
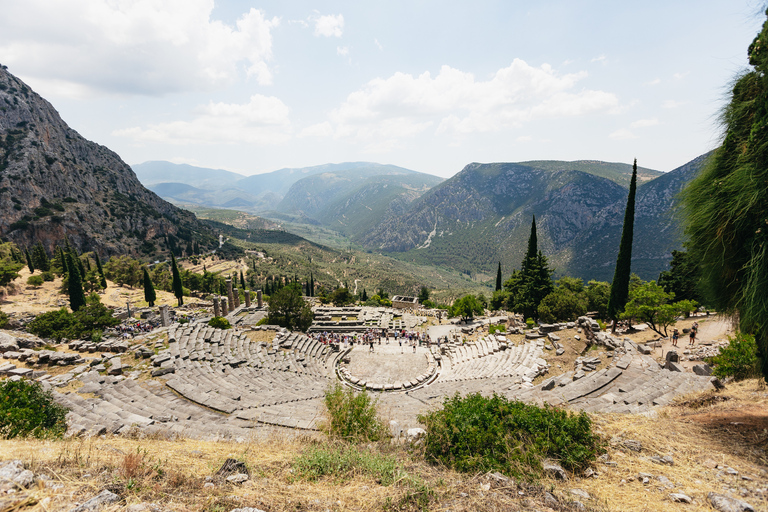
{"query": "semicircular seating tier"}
pixel 222 383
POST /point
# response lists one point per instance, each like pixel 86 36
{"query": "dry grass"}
pixel 699 432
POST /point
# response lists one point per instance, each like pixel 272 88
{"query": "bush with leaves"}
pixel 4 321
pixel 35 281
pixel 89 320
pixel 352 416
pixel 219 322
pixel 466 307
pixel 27 410
pixel 738 360
pixel 288 309
pixel 476 434
pixel 649 303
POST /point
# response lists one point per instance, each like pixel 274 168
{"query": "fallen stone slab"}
pixel 97 502
pixel 727 504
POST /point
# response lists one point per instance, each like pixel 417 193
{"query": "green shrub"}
pixel 738 360
pixel 4 320
pixel 352 416
pixel 87 322
pixel 476 434
pixel 530 323
pixel 35 281
pixel 47 276
pixel 494 328
pixel 219 322
pixel 27 410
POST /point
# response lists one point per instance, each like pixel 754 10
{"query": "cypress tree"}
pixel 176 285
pixel 242 279
pixel 621 275
pixel 29 261
pixel 80 265
pixel 40 258
pixel 311 284
pixel 498 278
pixel 533 247
pixel 149 289
pixel 101 271
pixel 364 297
pixel 64 264
pixel 76 294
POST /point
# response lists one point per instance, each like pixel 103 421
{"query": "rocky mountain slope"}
pixel 54 183
pixel 482 215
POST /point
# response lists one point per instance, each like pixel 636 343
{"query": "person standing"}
pixel 675 336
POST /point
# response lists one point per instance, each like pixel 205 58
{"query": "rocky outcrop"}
pixel 55 184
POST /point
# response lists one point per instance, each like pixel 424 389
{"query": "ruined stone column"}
pixel 259 301
pixel 247 298
pixel 230 295
pixel 237 298
pixel 224 306
pixel 165 319
pixel 216 306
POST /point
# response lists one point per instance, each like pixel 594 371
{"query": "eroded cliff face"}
pixel 54 183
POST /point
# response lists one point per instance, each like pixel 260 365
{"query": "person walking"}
pixel 675 336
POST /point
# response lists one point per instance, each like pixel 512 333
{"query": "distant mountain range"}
pixel 475 219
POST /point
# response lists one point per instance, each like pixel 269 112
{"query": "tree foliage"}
pixel 27 410
pixel 176 286
pixel 466 307
pixel 683 277
pixel 123 270
pixel 74 284
pixel 288 309
pixel 567 302
pixel 40 258
pixel 649 303
pixel 91 319
pixel 621 274
pixel 527 287
pixel 149 289
pixel 726 206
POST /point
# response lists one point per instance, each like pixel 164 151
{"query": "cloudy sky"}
pixel 254 86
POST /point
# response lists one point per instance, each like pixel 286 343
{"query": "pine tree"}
pixel 29 261
pixel 101 271
pixel 528 286
pixel 498 278
pixel 149 289
pixel 176 286
pixel 620 283
pixel 75 284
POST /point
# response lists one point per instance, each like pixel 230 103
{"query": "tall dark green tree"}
pixel 726 206
pixel 498 278
pixel 528 286
pixel 176 285
pixel 311 284
pixel 620 283
pixel 101 271
pixel 30 265
pixel 40 258
pixel 149 289
pixel 75 285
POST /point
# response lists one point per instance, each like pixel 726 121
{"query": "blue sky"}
pixel 429 85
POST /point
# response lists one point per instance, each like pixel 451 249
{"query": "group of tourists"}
pixel 129 330
pixel 691 335
pixel 373 336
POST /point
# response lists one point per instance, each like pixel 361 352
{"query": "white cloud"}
pixel 378 44
pixel 342 50
pixel 602 59
pixel 680 76
pixel 132 47
pixel 263 120
pixel 317 130
pixel 329 25
pixel 622 134
pixel 655 81
pixel 644 123
pixel 454 102
pixel 524 138
pixel 672 104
